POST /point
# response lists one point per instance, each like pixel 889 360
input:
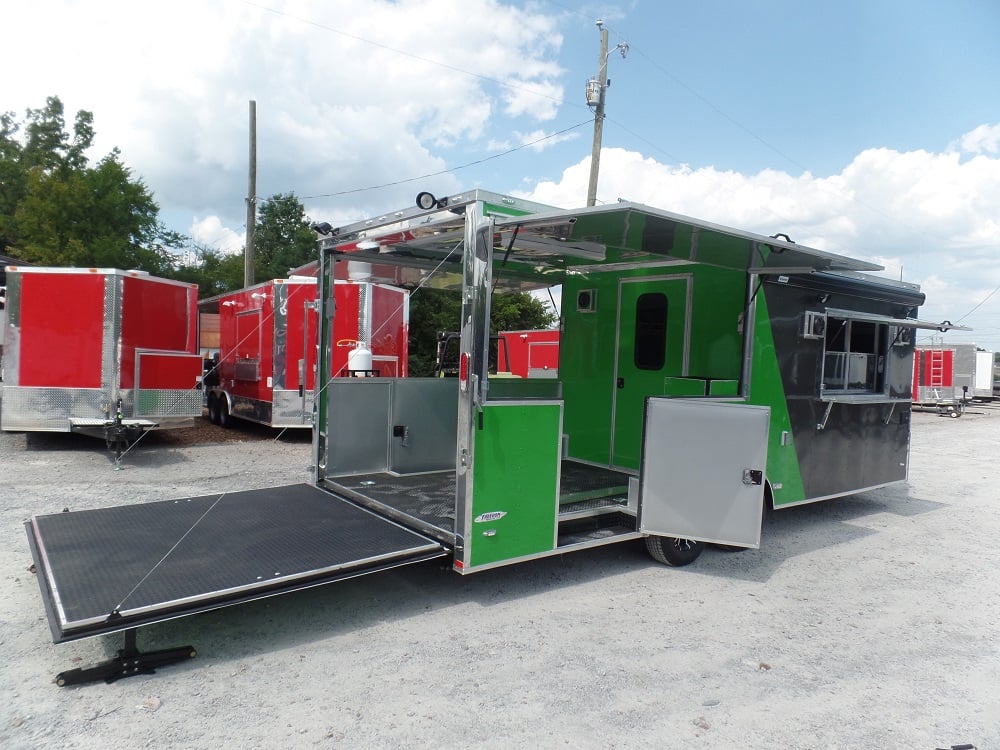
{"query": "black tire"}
pixel 672 551
pixel 225 419
pixel 729 548
pixel 213 409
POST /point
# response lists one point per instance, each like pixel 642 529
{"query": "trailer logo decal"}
pixel 493 515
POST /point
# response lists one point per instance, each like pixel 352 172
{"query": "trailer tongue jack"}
pixel 120 436
pixel 130 661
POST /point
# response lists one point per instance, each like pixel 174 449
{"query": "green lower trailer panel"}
pixel 516 481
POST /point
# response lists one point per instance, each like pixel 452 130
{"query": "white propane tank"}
pixel 359 358
pixel 358 270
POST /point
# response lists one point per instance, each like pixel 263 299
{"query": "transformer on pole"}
pixel 596 95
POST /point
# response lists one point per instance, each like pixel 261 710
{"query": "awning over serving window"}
pixel 634 234
pixel 536 250
pixel 946 325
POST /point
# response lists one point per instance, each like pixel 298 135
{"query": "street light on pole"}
pixel 596 95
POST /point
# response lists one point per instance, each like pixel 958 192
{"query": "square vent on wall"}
pixel 586 300
pixel 814 325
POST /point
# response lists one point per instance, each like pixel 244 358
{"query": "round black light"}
pixel 426 200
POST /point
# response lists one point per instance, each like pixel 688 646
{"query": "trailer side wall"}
pixel 60 320
pixel 599 342
pixel 841 444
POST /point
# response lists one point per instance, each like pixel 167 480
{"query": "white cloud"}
pixel 540 140
pixel 536 140
pixel 539 99
pixel 352 95
pixel 930 217
pixel 348 94
pixel 209 232
pixel 983 140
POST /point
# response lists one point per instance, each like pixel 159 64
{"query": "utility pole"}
pixel 596 94
pixel 248 279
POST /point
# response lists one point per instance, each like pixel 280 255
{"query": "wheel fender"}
pixel 224 397
pixel 768 497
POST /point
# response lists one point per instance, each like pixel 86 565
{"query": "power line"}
pixel 411 55
pixel 979 305
pixel 406 180
pixel 449 170
pixel 722 113
pixel 661 69
pixel 819 184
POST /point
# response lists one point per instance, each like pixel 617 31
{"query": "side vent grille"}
pixel 814 325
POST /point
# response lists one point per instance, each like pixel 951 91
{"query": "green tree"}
pixel 97 216
pixel 433 311
pixel 212 271
pixel 519 311
pixel 13 179
pixel 49 146
pixel 283 239
pixel 57 209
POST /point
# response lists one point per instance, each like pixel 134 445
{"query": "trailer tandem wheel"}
pixel 213 409
pixel 674 551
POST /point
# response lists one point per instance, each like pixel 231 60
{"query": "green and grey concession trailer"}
pixel 705 373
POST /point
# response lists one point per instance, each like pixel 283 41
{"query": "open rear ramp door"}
pixel 703 470
pixel 114 569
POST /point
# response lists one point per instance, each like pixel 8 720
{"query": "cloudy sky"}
pixel 864 127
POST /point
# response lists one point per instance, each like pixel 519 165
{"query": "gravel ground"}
pixel 864 622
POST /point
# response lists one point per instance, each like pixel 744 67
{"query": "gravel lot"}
pixel 863 622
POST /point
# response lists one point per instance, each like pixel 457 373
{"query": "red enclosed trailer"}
pixel 532 353
pixel 268 337
pixel 100 351
pixel 949 377
pixel 934 382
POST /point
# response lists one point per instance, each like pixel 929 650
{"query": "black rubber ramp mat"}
pixel 104 569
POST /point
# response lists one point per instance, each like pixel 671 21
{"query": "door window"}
pixel 651 331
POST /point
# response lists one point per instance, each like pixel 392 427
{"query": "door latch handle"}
pixel 620 383
pixel 753 476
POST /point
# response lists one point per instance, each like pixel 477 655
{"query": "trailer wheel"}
pixel 225 420
pixel 672 551
pixel 213 409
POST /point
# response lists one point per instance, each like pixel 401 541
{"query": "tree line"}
pixel 59 208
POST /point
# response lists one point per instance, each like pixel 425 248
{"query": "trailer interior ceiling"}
pixel 536 251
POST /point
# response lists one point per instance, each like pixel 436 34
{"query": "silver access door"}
pixel 703 470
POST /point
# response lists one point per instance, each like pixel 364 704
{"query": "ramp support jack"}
pixel 129 661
